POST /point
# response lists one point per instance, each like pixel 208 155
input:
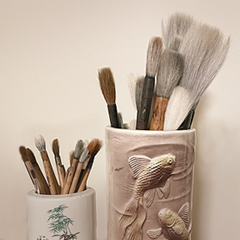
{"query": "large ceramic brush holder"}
pixel 150 184
pixel 69 216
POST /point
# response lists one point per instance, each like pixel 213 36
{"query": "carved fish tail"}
pixel 135 230
pixel 128 217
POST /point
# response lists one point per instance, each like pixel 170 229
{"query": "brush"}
pixel 107 86
pixel 26 162
pixel 52 181
pixel 93 147
pixel 42 183
pixel 72 168
pixel 84 157
pixel 204 49
pixel 169 74
pixel 175 28
pixel 153 59
pixel 60 168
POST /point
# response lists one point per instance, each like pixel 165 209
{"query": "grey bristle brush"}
pixel 175 28
pixel 204 49
pixel 169 74
pixel 107 86
pixel 153 59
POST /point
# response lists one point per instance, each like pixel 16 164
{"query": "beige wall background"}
pixel 50 52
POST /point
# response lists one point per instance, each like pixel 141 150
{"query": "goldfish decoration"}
pixel 173 226
pixel 151 175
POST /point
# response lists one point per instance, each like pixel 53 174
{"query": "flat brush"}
pixel 107 86
pixel 72 168
pixel 52 181
pixel 204 49
pixel 60 168
pixel 153 59
pixel 41 181
pixel 93 147
pixel 169 74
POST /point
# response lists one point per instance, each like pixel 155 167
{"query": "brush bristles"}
pixel 107 85
pixel 153 56
pixel 78 149
pixel 176 25
pixel 170 72
pixel 204 49
pixel 178 107
pixel 94 146
pixel 23 153
pixel 55 147
pixel 40 143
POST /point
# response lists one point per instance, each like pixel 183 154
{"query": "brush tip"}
pixel 23 153
pixel 107 85
pixel 55 147
pixel 153 56
pixel 78 149
pixel 40 143
pixel 94 146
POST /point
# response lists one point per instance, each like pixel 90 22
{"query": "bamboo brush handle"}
pixel 61 175
pixel 52 181
pixel 159 110
pixel 76 178
pixel 68 180
pixel 146 102
pixel 84 180
pixel 113 115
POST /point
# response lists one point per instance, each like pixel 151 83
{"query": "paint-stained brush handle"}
pixel 146 102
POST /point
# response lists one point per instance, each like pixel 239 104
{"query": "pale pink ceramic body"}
pixel 122 144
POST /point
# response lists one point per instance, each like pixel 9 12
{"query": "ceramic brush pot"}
pixel 150 184
pixel 68 216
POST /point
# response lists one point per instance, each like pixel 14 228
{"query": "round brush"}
pixel 153 60
pixel 169 74
pixel 107 86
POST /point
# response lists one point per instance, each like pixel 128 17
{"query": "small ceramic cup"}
pixel 69 216
pixel 150 180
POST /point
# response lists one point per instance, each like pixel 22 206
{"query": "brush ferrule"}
pixel 113 115
pixel 146 102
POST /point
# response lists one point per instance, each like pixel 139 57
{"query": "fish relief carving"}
pixel 151 175
pixel 173 226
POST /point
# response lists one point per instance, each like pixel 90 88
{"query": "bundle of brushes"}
pixel 72 180
pixel 179 68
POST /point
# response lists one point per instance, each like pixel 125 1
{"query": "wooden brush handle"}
pixel 76 177
pixel 159 110
pixel 42 183
pixel 84 179
pixel 52 181
pixel 146 102
pixel 61 175
pixel 68 180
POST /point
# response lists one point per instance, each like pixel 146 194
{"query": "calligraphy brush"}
pixel 175 28
pixel 204 49
pixel 84 157
pixel 107 86
pixel 52 181
pixel 60 168
pixel 71 170
pixel 93 147
pixel 169 74
pixel 42 183
pixel 153 59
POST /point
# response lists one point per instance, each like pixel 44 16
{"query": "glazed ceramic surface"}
pixel 150 176
pixel 70 216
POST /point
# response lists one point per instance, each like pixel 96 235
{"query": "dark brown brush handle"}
pixel 113 115
pixel 146 102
